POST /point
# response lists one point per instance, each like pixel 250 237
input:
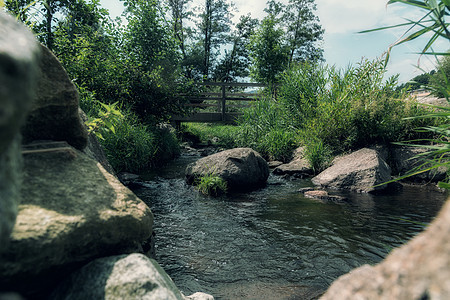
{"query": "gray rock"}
pixel 127 178
pixel 132 276
pixel 404 160
pixel 298 153
pixel 359 171
pixel 306 189
pixel 299 166
pixel 72 211
pixel 242 168
pixel 199 296
pixel 11 296
pixel 418 270
pixel 19 54
pixel 273 164
pixel 54 114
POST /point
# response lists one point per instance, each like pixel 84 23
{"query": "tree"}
pixel 288 34
pixel 214 26
pixel 235 63
pixel 268 54
pixel 302 31
pixel 417 82
pixel 84 42
pixel 19 9
pixel 152 61
pixel 44 23
pixel 149 37
pixel 180 13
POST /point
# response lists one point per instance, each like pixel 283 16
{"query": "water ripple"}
pixel 275 239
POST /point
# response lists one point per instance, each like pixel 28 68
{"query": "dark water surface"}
pixel 274 243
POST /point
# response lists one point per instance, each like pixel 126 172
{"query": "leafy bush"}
pixel 347 110
pixel 278 144
pixel 129 145
pixel 263 128
pixel 299 92
pixel 134 147
pixel 331 111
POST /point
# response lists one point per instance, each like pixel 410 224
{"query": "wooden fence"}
pixel 222 104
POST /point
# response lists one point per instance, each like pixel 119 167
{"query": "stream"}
pixel 274 243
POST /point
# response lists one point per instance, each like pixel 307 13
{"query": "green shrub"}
pixel 350 109
pixel 278 144
pixel 263 128
pixel 211 185
pixel 168 146
pixel 298 93
pixel 129 145
pixel 318 155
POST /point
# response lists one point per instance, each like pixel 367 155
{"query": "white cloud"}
pixel 255 8
pixel 351 15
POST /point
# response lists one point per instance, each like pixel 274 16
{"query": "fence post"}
pixel 223 102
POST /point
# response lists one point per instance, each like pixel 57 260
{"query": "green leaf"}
pixel 433 4
pixel 387 27
pixel 435 53
pixel 444 185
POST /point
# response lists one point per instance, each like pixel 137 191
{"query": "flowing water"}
pixel 274 243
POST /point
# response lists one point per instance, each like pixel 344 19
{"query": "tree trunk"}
pixel 48 25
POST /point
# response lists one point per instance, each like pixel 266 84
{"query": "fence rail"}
pixel 225 101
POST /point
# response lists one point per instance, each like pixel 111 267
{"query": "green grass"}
pixel 318 155
pixel 211 185
pixel 223 136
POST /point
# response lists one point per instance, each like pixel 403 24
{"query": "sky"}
pixel 342 44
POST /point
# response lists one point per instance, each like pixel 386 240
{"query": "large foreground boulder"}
pixel 242 168
pixel 71 211
pixel 54 114
pixel 19 54
pixel 418 270
pixel 359 171
pixel 132 276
